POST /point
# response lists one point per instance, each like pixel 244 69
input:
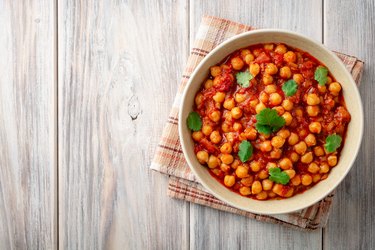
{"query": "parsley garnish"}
pixel 194 121
pixel 321 74
pixel 245 151
pixel 277 176
pixel 289 87
pixel 269 121
pixel 333 142
pixel 243 78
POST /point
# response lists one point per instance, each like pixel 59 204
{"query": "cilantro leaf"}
pixel 269 121
pixel 321 74
pixel 277 176
pixel 289 87
pixel 243 78
pixel 333 142
pixel 194 121
pixel 245 151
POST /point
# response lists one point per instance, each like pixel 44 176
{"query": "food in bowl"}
pixel 269 121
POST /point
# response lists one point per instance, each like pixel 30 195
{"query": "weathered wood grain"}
pixel 119 67
pixel 351 224
pixel 27 125
pixel 212 229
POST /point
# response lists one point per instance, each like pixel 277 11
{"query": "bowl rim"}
pixel 220 47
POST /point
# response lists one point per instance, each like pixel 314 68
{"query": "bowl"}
pixel 352 141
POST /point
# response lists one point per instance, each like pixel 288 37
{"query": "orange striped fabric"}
pixel 170 160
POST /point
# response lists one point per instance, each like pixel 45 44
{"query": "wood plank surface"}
pixel 352 30
pixel 27 125
pixel 119 67
pixel 212 229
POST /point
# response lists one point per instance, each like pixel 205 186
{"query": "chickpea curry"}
pixel 269 121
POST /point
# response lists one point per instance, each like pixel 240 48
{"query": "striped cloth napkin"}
pixel 170 160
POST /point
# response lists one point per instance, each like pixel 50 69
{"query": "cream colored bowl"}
pixel 352 142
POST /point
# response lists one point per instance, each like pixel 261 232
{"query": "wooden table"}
pixel 85 89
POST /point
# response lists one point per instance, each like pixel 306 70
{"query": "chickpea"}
pixel 229 104
pixel 242 171
pixel 271 165
pixel 208 84
pixel 215 137
pixel 226 158
pixel 236 112
pixel 237 126
pixel 306 179
pixel 262 195
pixel 300 147
pixel 332 160
pixel 254 69
pixel 213 161
pixel 322 89
pixel 315 127
pixel 229 180
pixel 316 178
pixel 324 168
pixel 224 167
pixel 215 71
pixel 313 168
pixel 256 188
pixel 334 88
pixel 237 63
pixel 247 181
pixel 268 46
pixel 253 103
pixel 275 99
pixel 298 112
pixel 271 194
pixel 267 184
pixel 245 191
pixel 298 78
pixel 289 193
pixel 281 49
pixel 249 58
pixel 271 69
pixel 255 166
pixel 269 89
pixel 197 135
pixel 240 97
pixel 259 107
pixel 263 97
pixel 230 137
pixel 265 146
pixel 277 141
pixel 318 151
pixel 267 79
pixel 290 57
pixel 312 110
pixel 235 164
pixel 251 133
pixel 312 99
pixel 296 180
pixel 288 118
pixel 198 99
pixel 280 110
pixel 294 157
pixel 284 133
pixel 277 189
pixel 302 133
pixel 202 156
pixel 226 148
pixel 293 139
pixel 263 174
pixel 285 72
pixel 207 130
pixel 219 97
pixel 290 172
pixel 215 116
pixel 287 105
pixel 310 140
pixel 307 158
pixel 285 163
pixel 245 52
pixel 226 127
pixel 263 137
pixel 276 153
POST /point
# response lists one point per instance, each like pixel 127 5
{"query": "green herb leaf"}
pixel 290 87
pixel 277 176
pixel 321 74
pixel 243 78
pixel 194 121
pixel 245 151
pixel 269 121
pixel 333 142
